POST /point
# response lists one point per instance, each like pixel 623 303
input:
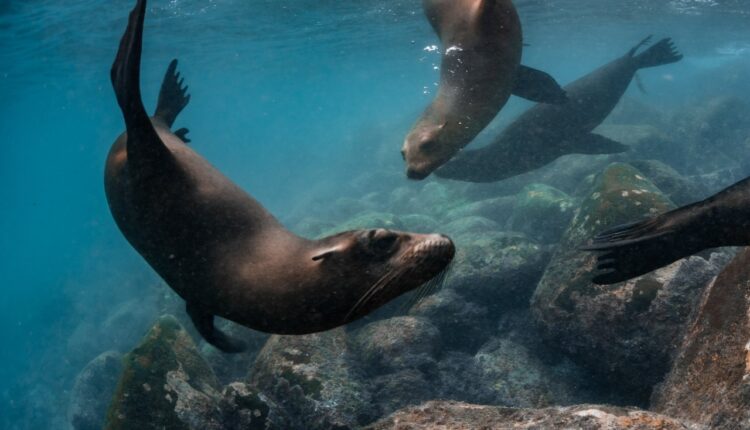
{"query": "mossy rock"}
pixel 165 384
pixel 497 209
pixel 367 220
pixel 542 212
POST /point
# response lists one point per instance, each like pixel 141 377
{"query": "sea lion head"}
pixel 368 268
pixel 427 147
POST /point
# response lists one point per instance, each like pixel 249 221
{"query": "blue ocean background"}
pixel 293 100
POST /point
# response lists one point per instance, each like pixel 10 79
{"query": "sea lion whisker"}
pixel 384 280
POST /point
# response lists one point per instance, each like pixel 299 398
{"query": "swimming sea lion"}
pixel 480 68
pixel 635 249
pixel 546 132
pixel 220 250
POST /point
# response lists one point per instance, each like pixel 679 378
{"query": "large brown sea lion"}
pixel 480 68
pixel 634 249
pixel 220 250
pixel 546 132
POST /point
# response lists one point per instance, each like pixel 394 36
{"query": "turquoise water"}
pixel 299 102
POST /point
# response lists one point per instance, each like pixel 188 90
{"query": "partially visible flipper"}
pixel 173 96
pixel 662 52
pixel 182 134
pixel 592 143
pixel 635 249
pixel 143 144
pixel 204 323
pixel 538 86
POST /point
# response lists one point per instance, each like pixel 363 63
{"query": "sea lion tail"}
pixel 634 249
pixel 663 52
pixel 173 96
pixel 143 142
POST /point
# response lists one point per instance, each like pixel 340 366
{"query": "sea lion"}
pixel 634 249
pixel 546 132
pixel 480 68
pixel 220 250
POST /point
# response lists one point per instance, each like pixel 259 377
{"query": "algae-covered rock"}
pixel 625 331
pixel 469 225
pixel 517 377
pixel 464 416
pixel 463 325
pixel 397 343
pixel 233 367
pixel 165 384
pixel 93 390
pixel 710 380
pixel 542 212
pixel 419 223
pixel 312 382
pixel 681 190
pixel 497 270
pixel 496 209
pixel 243 408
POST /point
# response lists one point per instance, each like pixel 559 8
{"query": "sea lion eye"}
pixel 382 240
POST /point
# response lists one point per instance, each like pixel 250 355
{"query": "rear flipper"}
pixel 538 86
pixel 173 96
pixel 635 249
pixel 663 52
pixel 592 143
pixel 204 323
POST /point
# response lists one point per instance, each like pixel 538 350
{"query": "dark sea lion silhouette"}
pixel 546 132
pixel 634 249
pixel 220 250
pixel 480 68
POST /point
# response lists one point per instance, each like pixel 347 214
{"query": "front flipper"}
pixel 173 96
pixel 538 86
pixel 204 323
pixel 143 144
pixel 592 143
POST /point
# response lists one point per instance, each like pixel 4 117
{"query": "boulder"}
pixel 93 390
pixel 469 225
pixel 497 270
pixel 627 332
pixel 496 209
pixel 710 380
pixel 165 383
pixel 312 382
pixel 397 343
pixel 442 415
pixel 542 212
pixel 367 220
pixel 463 325
pixel 679 189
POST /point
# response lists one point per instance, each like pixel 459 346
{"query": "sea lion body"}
pixel 546 132
pixel 482 46
pixel 225 254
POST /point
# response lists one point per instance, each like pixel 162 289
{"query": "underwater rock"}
pixel 542 212
pixel 311 227
pixel 468 225
pixel 165 383
pixel 497 270
pixel 460 379
pixel 497 209
pixel 517 377
pixel 406 387
pixel 420 223
pixel 465 416
pixel 242 408
pixel 436 199
pixel 397 343
pixel 710 380
pixel 233 367
pixel 627 332
pixel 463 325
pixel 93 391
pixel 311 382
pixel 679 189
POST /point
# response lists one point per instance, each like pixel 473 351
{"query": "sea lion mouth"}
pixel 424 265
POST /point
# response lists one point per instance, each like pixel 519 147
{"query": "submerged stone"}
pixel 456 415
pixel 93 390
pixel 165 383
pixel 311 381
pixel 710 380
pixel 542 212
pixel 397 343
pixel 626 332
